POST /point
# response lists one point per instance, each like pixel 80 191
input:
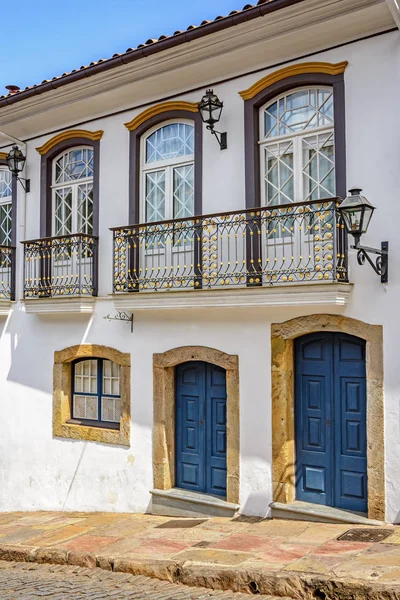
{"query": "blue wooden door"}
pixel 331 445
pixel 201 428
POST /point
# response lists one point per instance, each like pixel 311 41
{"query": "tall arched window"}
pixel 72 192
pixel 297 154
pixel 5 206
pixel 167 165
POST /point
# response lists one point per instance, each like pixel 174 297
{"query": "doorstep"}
pixel 306 511
pixel 184 503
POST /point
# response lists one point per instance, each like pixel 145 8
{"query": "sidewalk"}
pixel 282 558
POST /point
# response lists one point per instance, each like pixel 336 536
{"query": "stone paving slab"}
pixel 277 557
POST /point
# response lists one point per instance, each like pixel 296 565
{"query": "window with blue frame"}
pixel 96 396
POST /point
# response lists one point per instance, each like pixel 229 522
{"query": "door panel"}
pixel 189 434
pixel 331 464
pixel 313 439
pixel 201 428
pixel 216 431
pixel 351 432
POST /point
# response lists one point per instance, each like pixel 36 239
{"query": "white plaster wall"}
pixel 39 472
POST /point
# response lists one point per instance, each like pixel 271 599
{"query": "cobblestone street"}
pixel 24 581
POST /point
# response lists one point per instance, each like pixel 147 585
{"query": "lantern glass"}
pixel 15 160
pixel 356 211
pixel 210 108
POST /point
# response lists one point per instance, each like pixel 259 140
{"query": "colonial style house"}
pixel 186 326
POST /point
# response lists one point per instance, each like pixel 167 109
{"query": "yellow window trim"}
pixel 159 109
pixel 67 135
pixel 291 71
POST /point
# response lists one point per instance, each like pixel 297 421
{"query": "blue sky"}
pixel 43 38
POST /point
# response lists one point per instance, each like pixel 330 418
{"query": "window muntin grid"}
pixel 111 376
pixel 170 141
pixel 96 391
pixel 167 180
pixel 72 192
pixel 5 206
pixel 297 147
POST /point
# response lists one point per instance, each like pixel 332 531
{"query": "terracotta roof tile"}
pixel 204 28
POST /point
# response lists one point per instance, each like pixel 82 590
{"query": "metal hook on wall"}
pixel 121 316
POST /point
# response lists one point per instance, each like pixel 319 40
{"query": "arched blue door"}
pixel 331 438
pixel 201 428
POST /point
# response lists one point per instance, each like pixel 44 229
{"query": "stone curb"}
pixel 252 581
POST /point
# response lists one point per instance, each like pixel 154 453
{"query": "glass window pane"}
pixel 155 196
pixel 279 173
pixel 63 211
pixel 86 376
pixel 170 141
pixel 184 192
pixel 5 223
pixel 319 166
pixel 5 183
pixel 111 376
pixel 85 208
pixel 74 165
pixel 298 111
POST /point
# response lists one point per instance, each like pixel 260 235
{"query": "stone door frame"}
pixel 164 413
pixel 283 405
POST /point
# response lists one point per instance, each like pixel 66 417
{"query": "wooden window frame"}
pixel 252 127
pixel 49 152
pixel 99 422
pixel 3 163
pixel 135 159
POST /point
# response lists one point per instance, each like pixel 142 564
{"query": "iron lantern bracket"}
pixel 221 137
pixel 26 183
pixel 381 263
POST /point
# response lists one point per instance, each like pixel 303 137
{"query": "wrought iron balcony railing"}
pixel 61 266
pixel 7 273
pixel 294 243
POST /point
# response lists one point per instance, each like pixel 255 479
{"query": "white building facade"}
pixel 260 364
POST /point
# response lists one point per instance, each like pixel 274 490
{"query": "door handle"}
pixel 328 422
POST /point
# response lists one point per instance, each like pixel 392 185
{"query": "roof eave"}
pixel 142 51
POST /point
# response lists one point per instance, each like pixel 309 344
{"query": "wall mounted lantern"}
pixel 210 109
pixel 356 212
pixel 16 160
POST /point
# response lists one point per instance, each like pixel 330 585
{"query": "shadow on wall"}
pixel 33 340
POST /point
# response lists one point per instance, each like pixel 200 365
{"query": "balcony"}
pixel 7 278
pixel 259 256
pixel 60 273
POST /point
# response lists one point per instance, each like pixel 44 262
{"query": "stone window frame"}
pixel 283 403
pixel 164 414
pixel 62 395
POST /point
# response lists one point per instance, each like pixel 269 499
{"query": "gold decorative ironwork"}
pixel 7 272
pixel 61 266
pixel 286 244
